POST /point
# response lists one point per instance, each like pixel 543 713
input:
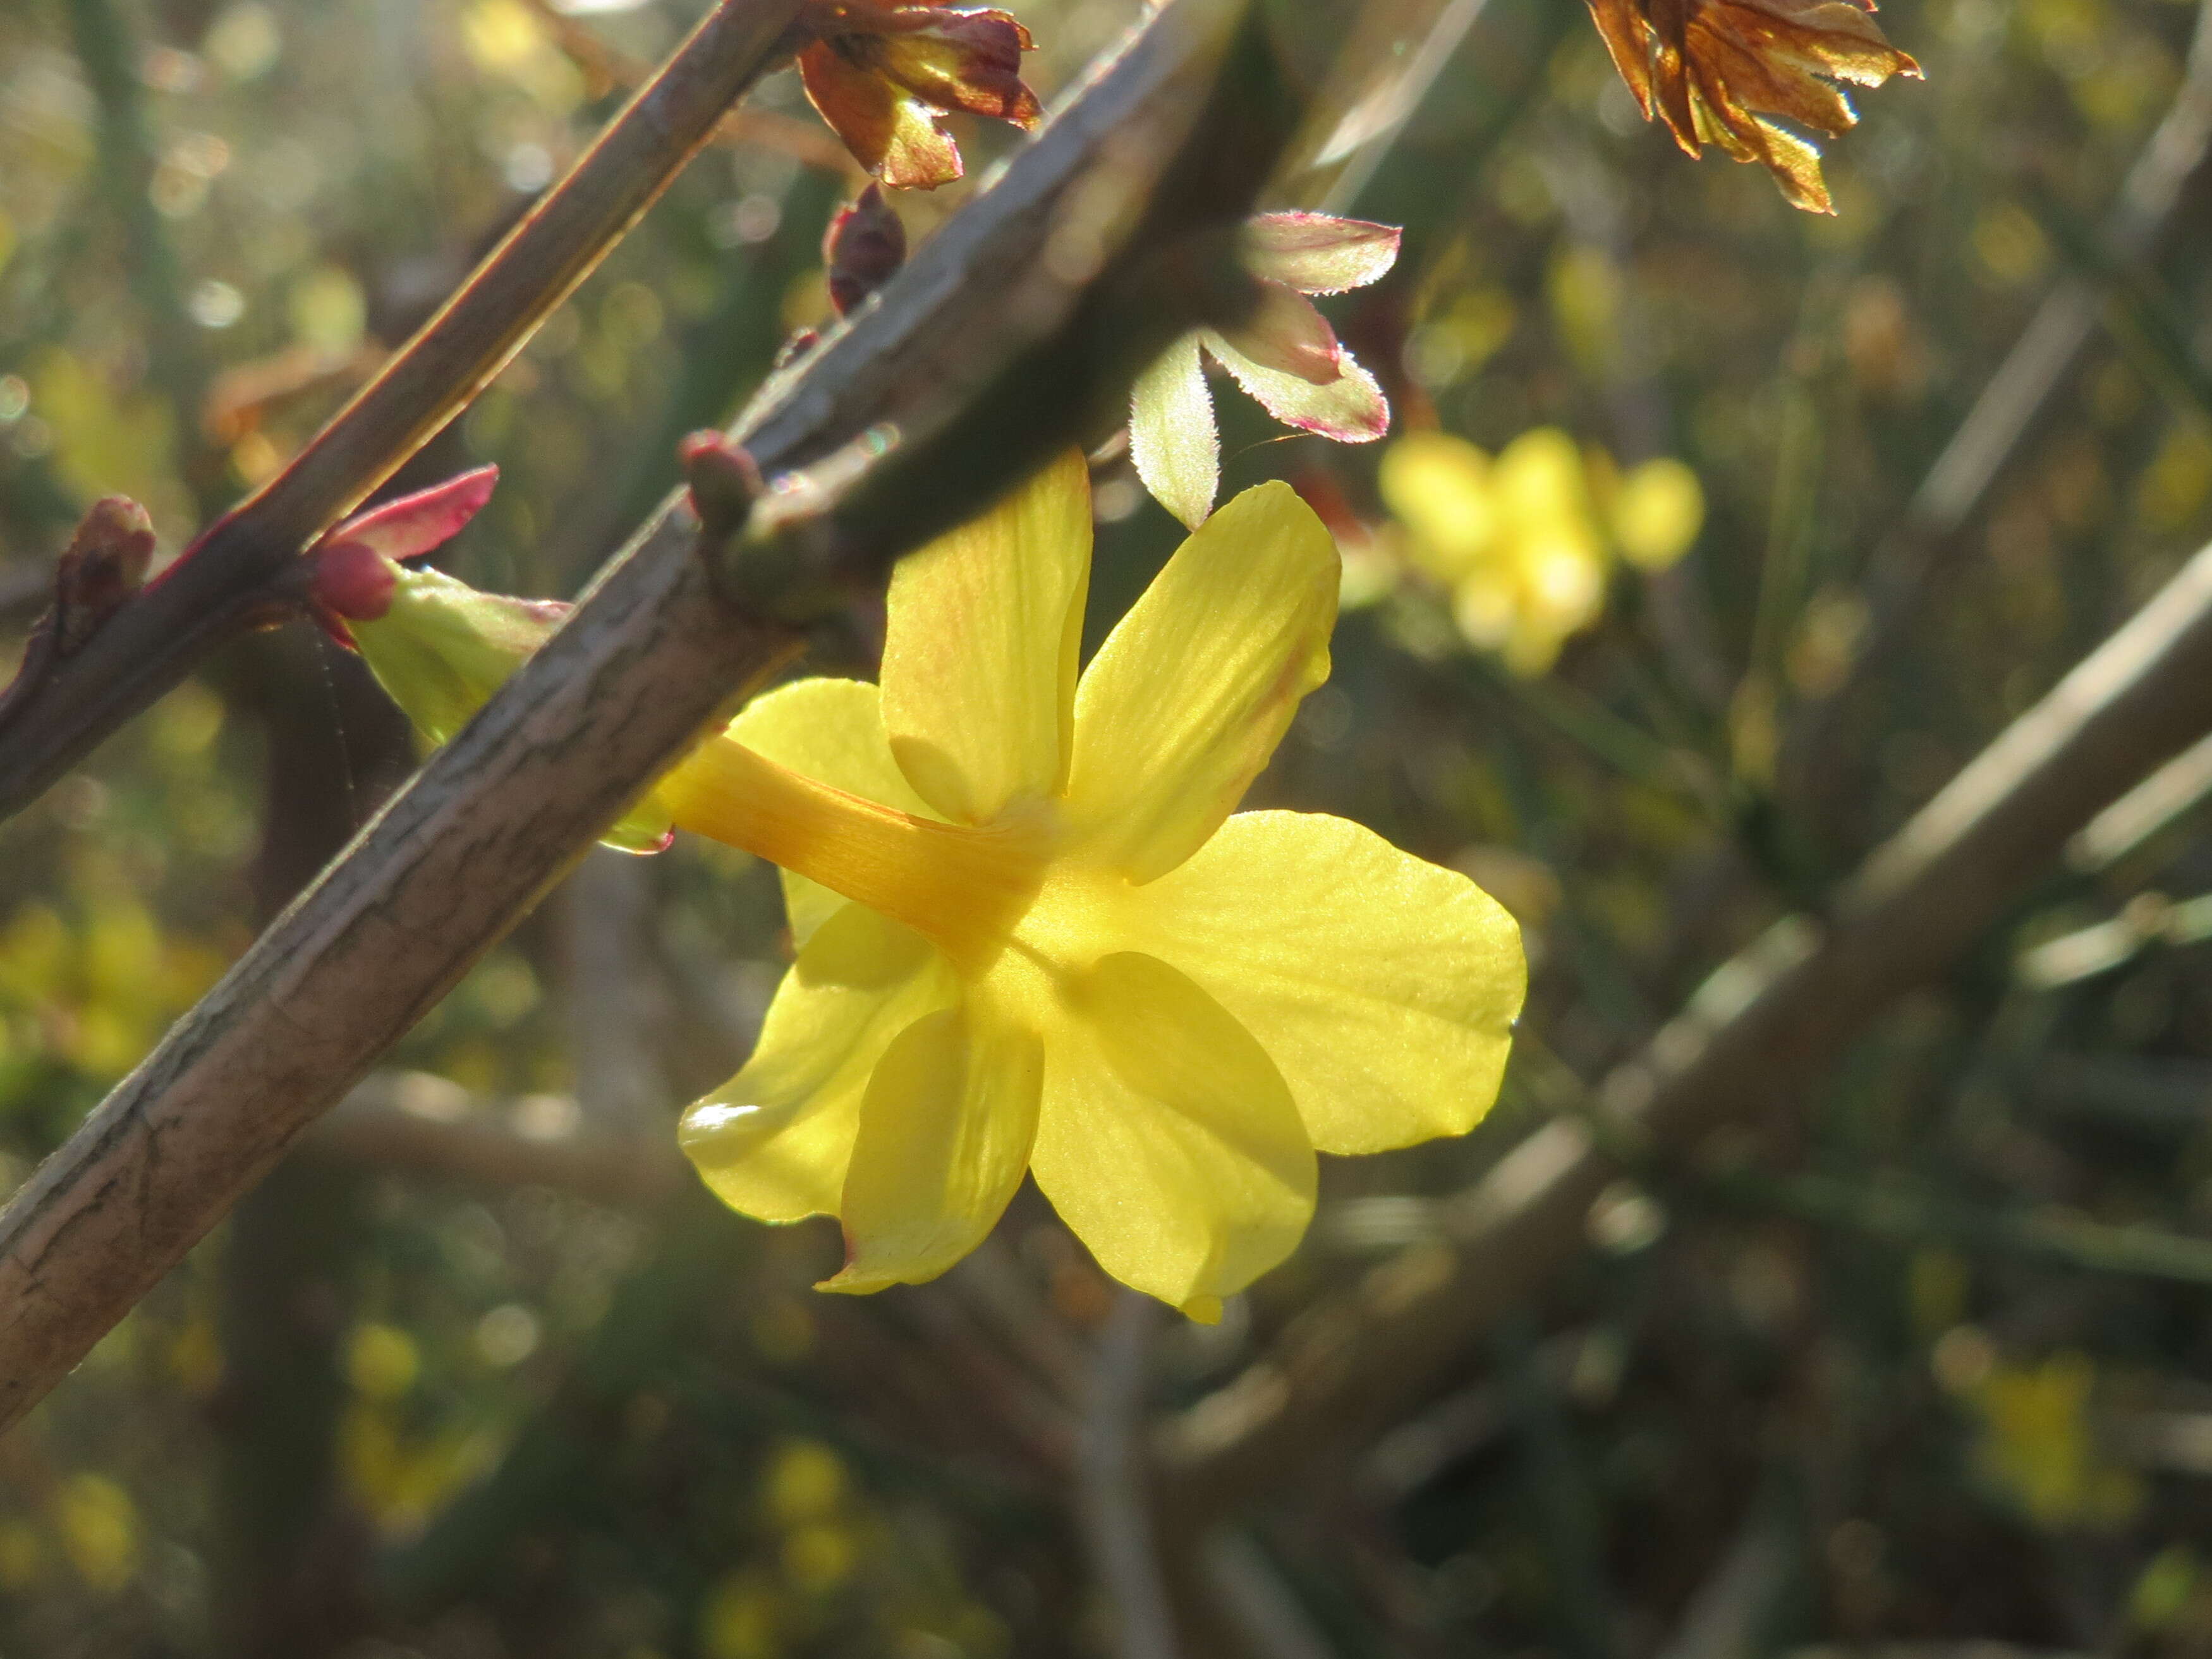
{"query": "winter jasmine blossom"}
pixel 1032 935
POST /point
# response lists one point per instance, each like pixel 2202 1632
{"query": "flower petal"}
pixel 774 1140
pixel 945 1130
pixel 891 133
pixel 1351 408
pixel 980 652
pixel 960 59
pixel 1384 988
pixel 1317 252
pixel 1172 438
pixel 832 730
pixel 1167 1140
pixel 1621 26
pixel 1191 692
pixel 411 525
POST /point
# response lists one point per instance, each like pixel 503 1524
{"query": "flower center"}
pixel 963 888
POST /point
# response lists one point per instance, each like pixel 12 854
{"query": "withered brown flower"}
pixel 1712 68
pixel 882 72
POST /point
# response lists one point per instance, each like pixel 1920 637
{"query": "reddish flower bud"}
pixel 723 478
pixel 352 580
pixel 103 566
pixel 863 249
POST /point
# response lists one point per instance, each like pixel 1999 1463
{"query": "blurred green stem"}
pixel 1620 746
pixel 1901 1215
pixel 1560 1492
pixel 129 157
pixel 288 1555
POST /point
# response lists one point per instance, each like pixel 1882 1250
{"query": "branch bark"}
pixel 234 576
pixel 1026 316
pixel 1752 1040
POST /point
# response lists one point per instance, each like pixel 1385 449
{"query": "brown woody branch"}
pixel 1751 1042
pixel 237 574
pixel 1021 323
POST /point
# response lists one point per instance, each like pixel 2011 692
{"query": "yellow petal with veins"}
pixel 1167 1140
pixel 774 1141
pixel 1384 988
pixel 1195 686
pixel 980 648
pixel 945 1135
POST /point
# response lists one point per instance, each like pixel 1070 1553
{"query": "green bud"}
pixel 441 648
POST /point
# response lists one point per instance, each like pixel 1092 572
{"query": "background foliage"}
pixel 1836 1390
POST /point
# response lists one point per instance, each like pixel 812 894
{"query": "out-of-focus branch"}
pixel 1110 1501
pixel 1374 88
pixel 605 918
pixel 2012 403
pixel 1754 1038
pixel 607 69
pixel 1022 323
pixel 423 1126
pixel 237 574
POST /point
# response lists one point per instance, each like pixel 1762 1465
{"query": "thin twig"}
pixel 1375 89
pixel 236 574
pixel 1906 1217
pixel 1022 319
pixel 1751 1040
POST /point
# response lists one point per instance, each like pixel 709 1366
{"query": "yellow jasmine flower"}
pixel 1031 935
pixel 1526 542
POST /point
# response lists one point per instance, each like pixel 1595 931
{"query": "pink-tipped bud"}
pixel 412 525
pixel 863 249
pixel 724 479
pixel 353 567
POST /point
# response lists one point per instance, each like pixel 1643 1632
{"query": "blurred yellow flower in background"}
pixel 1526 543
pixel 2038 1444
